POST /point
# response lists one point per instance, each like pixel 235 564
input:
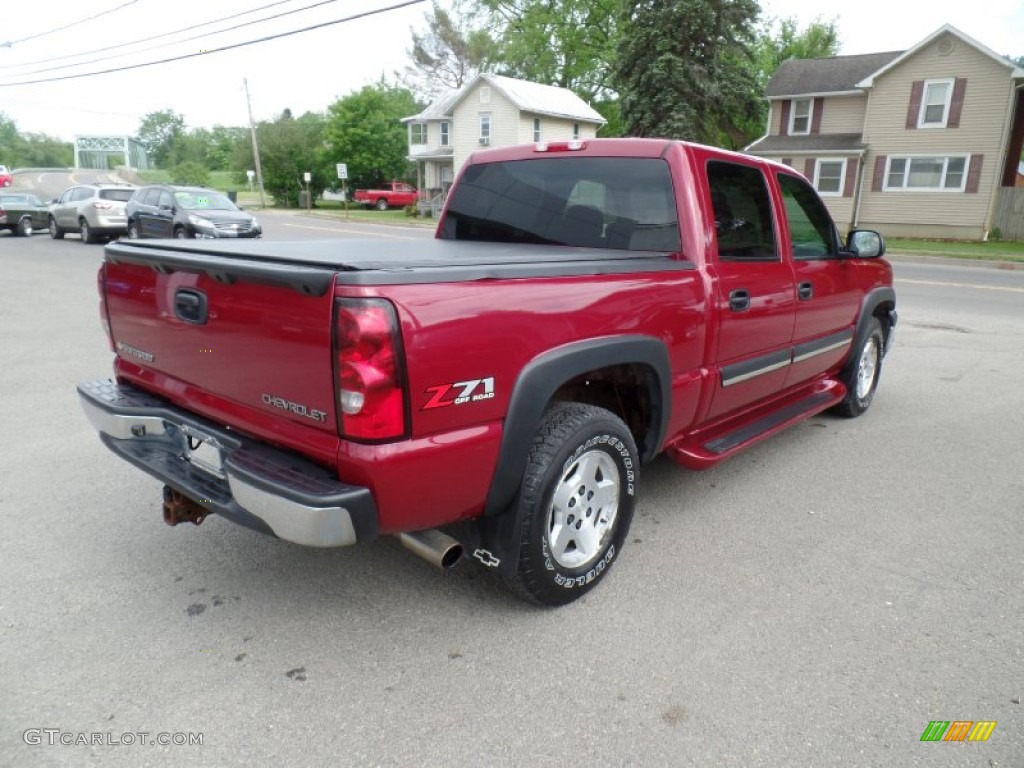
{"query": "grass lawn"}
pixel 960 249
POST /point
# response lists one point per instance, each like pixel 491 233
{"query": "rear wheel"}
pixel 55 232
pixel 862 378
pixel 25 227
pixel 576 502
pixel 382 204
pixel 86 232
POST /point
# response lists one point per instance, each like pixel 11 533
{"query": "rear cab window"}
pixel 590 202
pixel 120 195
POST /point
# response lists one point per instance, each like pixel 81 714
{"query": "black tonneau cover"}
pixel 309 266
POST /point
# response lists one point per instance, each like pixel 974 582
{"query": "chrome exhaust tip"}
pixel 438 549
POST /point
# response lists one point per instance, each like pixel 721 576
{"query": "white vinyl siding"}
pixel 982 124
pixel 843 114
pixel 935 101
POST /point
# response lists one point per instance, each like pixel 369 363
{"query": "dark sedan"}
pixel 22 213
pixel 169 211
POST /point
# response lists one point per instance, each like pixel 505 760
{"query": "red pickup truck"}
pixel 394 194
pixel 584 307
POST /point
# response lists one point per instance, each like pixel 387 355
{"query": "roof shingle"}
pixel 832 75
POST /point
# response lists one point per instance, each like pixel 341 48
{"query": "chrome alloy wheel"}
pixel 866 368
pixel 583 509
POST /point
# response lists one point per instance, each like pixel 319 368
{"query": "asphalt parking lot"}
pixel 816 601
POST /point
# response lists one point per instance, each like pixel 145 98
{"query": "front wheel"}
pixel 133 230
pixel 25 227
pixel 382 205
pixel 180 233
pixel 862 377
pixel 55 232
pixel 576 502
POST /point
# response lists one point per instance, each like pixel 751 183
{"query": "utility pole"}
pixel 255 146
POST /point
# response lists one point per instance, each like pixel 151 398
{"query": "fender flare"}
pixel 871 301
pixel 541 378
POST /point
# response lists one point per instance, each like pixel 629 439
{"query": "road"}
pixel 813 602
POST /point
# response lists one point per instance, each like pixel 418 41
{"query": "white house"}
pixel 491 111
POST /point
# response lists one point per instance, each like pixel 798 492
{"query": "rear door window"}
pixel 742 206
pixel 590 202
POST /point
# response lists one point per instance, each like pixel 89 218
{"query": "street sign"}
pixel 251 175
pixel 307 177
pixel 342 171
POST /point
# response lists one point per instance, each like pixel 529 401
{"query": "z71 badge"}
pixel 460 393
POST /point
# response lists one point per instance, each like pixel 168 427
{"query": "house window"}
pixel 419 133
pixel 829 177
pixel 485 95
pixel 800 117
pixel 485 129
pixel 536 129
pixel 926 173
pixel 935 104
pixel 445 135
pixel 575 131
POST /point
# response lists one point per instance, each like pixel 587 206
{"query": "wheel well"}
pixel 881 311
pixel 625 390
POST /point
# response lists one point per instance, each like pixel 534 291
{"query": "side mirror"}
pixel 865 244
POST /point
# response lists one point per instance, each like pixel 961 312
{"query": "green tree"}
pixel 449 53
pixel 568 43
pixel 686 69
pixel 12 143
pixel 364 130
pixel 289 147
pixel 32 150
pixel 158 132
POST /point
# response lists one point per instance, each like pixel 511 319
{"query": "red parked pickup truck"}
pixel 584 307
pixel 394 194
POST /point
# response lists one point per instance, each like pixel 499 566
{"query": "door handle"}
pixel 804 291
pixel 739 300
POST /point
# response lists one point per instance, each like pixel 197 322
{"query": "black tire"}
pixel 589 447
pixel 86 232
pixel 863 370
pixel 382 204
pixel 133 230
pixel 181 233
pixel 55 232
pixel 24 227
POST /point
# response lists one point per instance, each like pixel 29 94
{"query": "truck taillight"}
pixel 369 375
pixel 101 287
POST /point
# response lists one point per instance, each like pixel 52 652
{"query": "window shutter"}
pixel 809 168
pixel 787 161
pixel 879 177
pixel 956 105
pixel 787 105
pixel 851 176
pixel 914 110
pixel 819 107
pixel 974 173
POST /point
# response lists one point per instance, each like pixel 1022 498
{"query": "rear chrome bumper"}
pixel 246 481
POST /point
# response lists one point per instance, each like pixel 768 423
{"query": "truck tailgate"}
pixel 258 336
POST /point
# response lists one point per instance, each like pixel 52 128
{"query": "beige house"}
pixel 916 143
pixel 491 111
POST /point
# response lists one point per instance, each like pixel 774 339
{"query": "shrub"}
pixel 192 173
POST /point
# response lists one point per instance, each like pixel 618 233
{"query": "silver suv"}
pixel 94 211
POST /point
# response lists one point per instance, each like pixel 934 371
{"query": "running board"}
pixel 709 447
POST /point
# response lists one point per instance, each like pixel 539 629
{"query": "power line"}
pixel 10 43
pixel 214 50
pixel 184 40
pixel 143 40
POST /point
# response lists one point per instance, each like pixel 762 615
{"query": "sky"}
pixel 308 71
